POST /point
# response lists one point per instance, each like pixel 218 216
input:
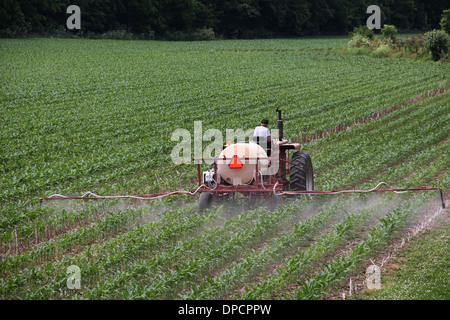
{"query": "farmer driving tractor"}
pixel 262 137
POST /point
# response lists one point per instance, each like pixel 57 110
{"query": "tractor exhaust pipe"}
pixel 279 125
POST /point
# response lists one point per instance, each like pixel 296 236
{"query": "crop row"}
pixel 212 258
pixel 384 149
pixel 53 146
pixel 334 272
pixel 433 113
pixel 89 233
pixel 101 259
pixel 97 126
pixel 256 261
pixel 437 112
pixel 197 257
pixel 294 266
pixel 140 241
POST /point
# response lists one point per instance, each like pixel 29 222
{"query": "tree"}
pixel 389 31
pixel 231 18
pixel 11 16
pixel 436 42
pixel 363 31
pixel 445 21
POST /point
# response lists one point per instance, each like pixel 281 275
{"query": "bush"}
pixel 389 31
pixel 196 35
pixel 436 42
pixel 204 34
pixel 358 41
pixel 412 44
pixel 258 33
pixel 121 34
pixel 363 31
pixel 383 51
pixel 445 21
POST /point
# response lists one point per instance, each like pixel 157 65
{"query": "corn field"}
pixel 97 115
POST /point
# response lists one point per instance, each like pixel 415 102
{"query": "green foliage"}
pixel 117 34
pixel 413 44
pixel 197 35
pixel 358 41
pixel 424 260
pixel 358 51
pixel 336 271
pixel 97 128
pixel 436 41
pixel 389 31
pixel 363 31
pixel 445 21
pixel 230 19
pixel 383 51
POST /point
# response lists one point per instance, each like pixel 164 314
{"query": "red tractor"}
pixel 245 167
pixel 254 171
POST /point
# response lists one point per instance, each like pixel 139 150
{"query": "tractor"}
pixel 255 171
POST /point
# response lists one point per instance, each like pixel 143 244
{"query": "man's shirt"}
pixel 262 132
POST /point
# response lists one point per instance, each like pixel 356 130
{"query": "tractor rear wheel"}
pixel 205 201
pixel 302 177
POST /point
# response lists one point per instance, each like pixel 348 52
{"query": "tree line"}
pixel 225 18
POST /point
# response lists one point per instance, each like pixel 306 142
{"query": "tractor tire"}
pixel 302 176
pixel 205 201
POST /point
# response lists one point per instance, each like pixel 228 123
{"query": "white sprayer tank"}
pixel 246 173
